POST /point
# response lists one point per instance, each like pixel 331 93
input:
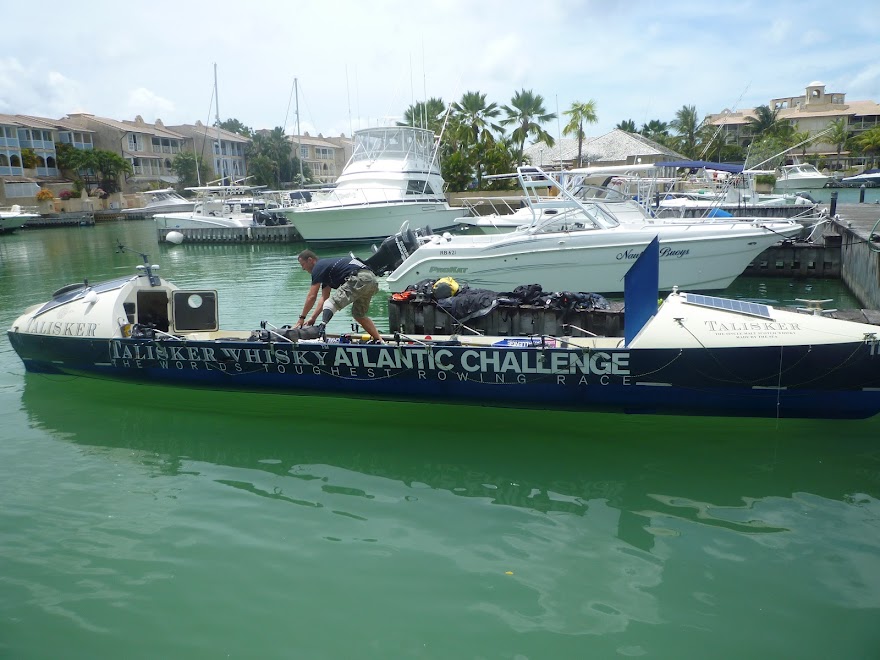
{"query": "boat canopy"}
pixel 702 164
pixel 867 175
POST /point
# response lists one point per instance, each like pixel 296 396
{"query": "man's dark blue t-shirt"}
pixel 334 271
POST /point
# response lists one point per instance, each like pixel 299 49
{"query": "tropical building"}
pixel 38 134
pixel 325 157
pixel 616 147
pixel 813 112
pixel 223 149
pixel 149 148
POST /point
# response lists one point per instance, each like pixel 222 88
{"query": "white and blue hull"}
pixel 692 355
pixel 719 382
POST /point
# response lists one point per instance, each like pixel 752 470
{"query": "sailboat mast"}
pixel 299 156
pixel 223 173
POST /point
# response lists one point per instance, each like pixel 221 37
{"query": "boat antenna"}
pixel 299 157
pixel 724 115
pixel 147 268
pixel 348 96
pixel 787 149
pixel 412 89
pixel 559 133
pixel 424 84
pixel 436 153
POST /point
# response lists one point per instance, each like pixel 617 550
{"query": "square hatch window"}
pixel 195 311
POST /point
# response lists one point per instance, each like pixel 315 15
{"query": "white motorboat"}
pixel 500 214
pixel 800 176
pixel 868 176
pixel 165 200
pixel 721 185
pixel 216 206
pixel 583 244
pixel 15 216
pixel 393 176
pixel 725 191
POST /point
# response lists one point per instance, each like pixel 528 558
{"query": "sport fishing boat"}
pixel 393 176
pixel 15 216
pixel 587 241
pixel 165 200
pixel 799 176
pixel 694 354
pixel 216 206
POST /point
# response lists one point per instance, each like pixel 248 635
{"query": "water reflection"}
pixel 545 461
pixel 570 523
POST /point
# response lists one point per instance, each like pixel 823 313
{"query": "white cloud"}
pixel 150 106
pixel 32 90
pixel 371 60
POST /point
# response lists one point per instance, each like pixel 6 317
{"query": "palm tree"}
pixel 475 115
pixel 627 125
pixel 105 166
pixel 526 112
pixel 500 158
pixel 235 126
pixel 656 130
pixel 765 121
pixel 580 113
pixel 190 169
pixel 471 124
pixel 838 136
pixel 274 147
pixel 686 125
pixel 869 142
pixel 710 140
pixel 802 138
pixel 425 114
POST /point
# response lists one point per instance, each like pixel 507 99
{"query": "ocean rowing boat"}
pixel 694 354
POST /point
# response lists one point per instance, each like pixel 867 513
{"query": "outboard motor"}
pixel 394 250
pixel 269 218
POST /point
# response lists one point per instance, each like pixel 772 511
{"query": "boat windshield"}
pixel 583 217
pixel 392 142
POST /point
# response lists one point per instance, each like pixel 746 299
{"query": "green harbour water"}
pixel 139 521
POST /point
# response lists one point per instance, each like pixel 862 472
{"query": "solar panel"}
pixel 741 306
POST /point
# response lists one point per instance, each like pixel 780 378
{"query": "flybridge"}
pixel 398 142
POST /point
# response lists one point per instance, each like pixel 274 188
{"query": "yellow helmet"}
pixel 445 287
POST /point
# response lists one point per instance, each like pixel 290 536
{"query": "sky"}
pixel 362 63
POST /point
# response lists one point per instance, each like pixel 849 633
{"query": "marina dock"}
pixel 253 234
pixel 75 219
pixel 858 231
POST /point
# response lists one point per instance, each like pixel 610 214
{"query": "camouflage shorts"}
pixel 357 290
